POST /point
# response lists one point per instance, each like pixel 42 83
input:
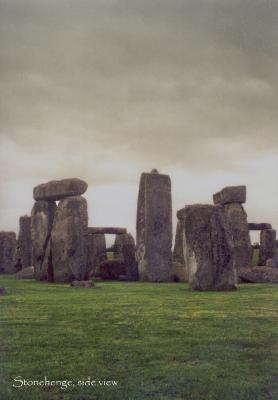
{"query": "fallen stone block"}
pixel 260 274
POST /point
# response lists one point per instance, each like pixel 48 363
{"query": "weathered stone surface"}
pixel 267 245
pixel 124 247
pixel 42 217
pixel 230 194
pixel 7 252
pixel 2 291
pixel 180 214
pixel 237 218
pixel 179 272
pixel 259 227
pixel 209 248
pixel 83 284
pixel 24 243
pixel 178 254
pixel 107 231
pixel 112 269
pixel 57 190
pixel 26 273
pixel 96 252
pixel 154 228
pixel 69 240
pixel 260 274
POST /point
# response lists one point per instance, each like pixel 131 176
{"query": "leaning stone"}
pixel 154 228
pixel 96 252
pixel 26 273
pixel 267 245
pixel 69 240
pixel 230 194
pixel 57 190
pixel 258 227
pixel 83 284
pixel 260 274
pixel 42 217
pixel 209 248
pixel 7 252
pixel 2 291
pixel 24 243
pixel 237 218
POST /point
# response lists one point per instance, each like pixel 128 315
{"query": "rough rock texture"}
pixel 26 273
pixel 237 218
pixel 24 242
pixel 209 248
pixel 178 254
pixel 124 248
pixel 96 252
pixel 42 217
pixel 57 190
pixel 7 252
pixel 230 194
pixel 112 269
pixel 179 272
pixel 69 240
pixel 260 274
pixel 83 284
pixel 2 291
pixel 258 227
pixel 154 228
pixel 107 230
pixel 267 245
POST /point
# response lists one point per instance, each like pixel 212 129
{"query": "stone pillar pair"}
pixel 59 233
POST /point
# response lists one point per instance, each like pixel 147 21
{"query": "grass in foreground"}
pixel 159 341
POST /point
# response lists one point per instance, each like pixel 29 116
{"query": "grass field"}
pixel 159 341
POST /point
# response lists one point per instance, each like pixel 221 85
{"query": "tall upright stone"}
pixel 267 245
pixel 154 227
pixel 124 248
pixel 24 242
pixel 179 268
pixel 96 251
pixel 7 252
pixel 231 198
pixel 69 240
pixel 209 248
pixel 42 217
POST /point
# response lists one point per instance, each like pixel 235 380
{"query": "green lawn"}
pixel 159 341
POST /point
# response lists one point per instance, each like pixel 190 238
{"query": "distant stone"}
pixel 2 291
pixel 69 240
pixel 57 190
pixel 237 219
pixel 82 284
pixel 154 228
pixel 209 248
pixel 230 194
pixel 179 272
pixel 42 217
pixel 24 243
pixel 259 227
pixel 7 252
pixel 124 248
pixel 106 231
pixel 96 252
pixel 178 253
pixel 112 269
pixel 267 245
pixel 154 171
pixel 180 214
pixel 26 273
pixel 260 274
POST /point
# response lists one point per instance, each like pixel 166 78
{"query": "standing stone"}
pixel 7 252
pixel 154 227
pixel 57 190
pixel 69 240
pixel 267 245
pixel 179 271
pixel 96 251
pixel 24 242
pixel 209 248
pixel 42 217
pixel 237 219
pixel 124 248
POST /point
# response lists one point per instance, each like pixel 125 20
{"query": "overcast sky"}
pixel 106 89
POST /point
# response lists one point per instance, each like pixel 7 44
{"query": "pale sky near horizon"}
pixel 106 89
